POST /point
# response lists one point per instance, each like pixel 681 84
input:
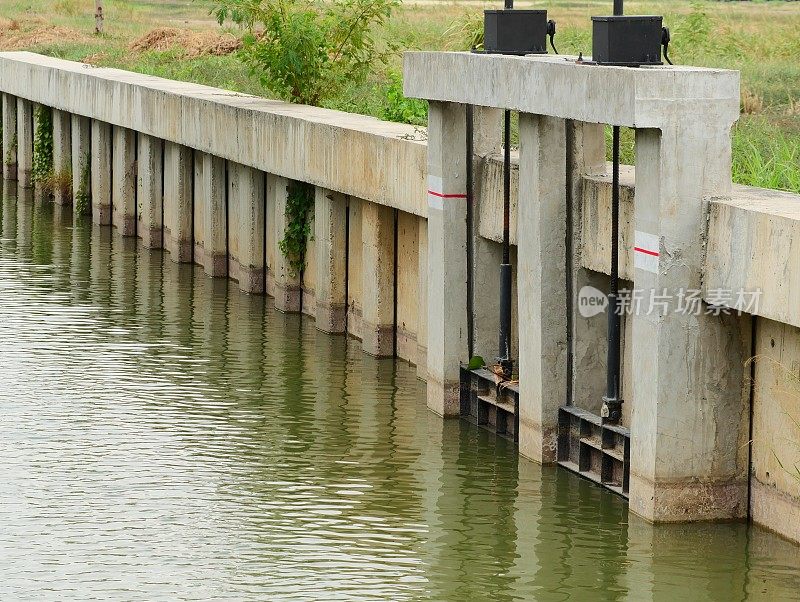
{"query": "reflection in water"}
pixel 163 436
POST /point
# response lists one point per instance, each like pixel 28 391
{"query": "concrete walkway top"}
pixel 560 87
pixel 362 156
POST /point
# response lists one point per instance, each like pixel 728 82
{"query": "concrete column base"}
pixel 149 192
pixel 123 185
pixel 24 143
pixel 689 500
pixel 210 228
pixel 101 173
pixel 377 279
pixel 9 137
pixel 81 130
pixel 287 298
pixel 178 210
pixel 246 206
pixel 444 398
pixel 62 157
pixel 330 318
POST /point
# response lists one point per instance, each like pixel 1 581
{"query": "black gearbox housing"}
pixel 627 41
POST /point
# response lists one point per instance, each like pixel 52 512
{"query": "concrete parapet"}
pixel 330 261
pixel 178 210
pixel 9 137
pixel 101 172
pixel 62 157
pixel 210 214
pixel 246 207
pixel 24 143
pixel 123 185
pixel 377 279
pixel 149 191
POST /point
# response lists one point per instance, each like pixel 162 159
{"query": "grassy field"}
pixel 180 40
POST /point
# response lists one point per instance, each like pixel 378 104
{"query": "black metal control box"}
pixel 511 31
pixel 627 41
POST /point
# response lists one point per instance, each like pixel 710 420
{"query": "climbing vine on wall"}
pixel 43 149
pixel 83 196
pixel 299 215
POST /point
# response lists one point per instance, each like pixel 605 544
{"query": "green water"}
pixel 165 437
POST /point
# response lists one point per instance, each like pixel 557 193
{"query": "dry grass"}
pixel 24 34
pixel 191 44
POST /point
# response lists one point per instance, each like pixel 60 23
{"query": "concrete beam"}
pixel 377 279
pixel 178 210
pixel 9 137
pixel 81 129
pixel 386 162
pixel 330 260
pixel 101 173
pixel 644 98
pixel 123 184
pixel 24 143
pixel 149 191
pixel 210 214
pixel 246 207
pixel 62 157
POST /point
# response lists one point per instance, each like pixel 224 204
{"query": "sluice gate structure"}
pixel 205 174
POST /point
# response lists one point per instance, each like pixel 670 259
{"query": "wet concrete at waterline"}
pixel 165 437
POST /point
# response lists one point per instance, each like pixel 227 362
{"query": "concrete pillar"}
pixel 541 230
pixel 330 263
pixel 689 428
pixel 285 284
pixel 24 143
pixel 354 252
pixel 81 132
pixel 590 346
pixel 407 310
pixel 101 173
pixel 9 137
pixel 62 157
pixel 210 215
pixel 123 185
pixel 178 211
pixel 149 191
pixel 377 279
pixel 246 207
pixel 447 265
pixel 422 299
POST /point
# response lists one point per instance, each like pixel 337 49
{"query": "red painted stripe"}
pixel 646 251
pixel 447 196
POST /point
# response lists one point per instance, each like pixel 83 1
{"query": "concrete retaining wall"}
pixel 204 173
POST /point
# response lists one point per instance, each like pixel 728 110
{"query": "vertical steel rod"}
pixel 504 355
pixel 470 144
pixel 612 403
pixel 618 8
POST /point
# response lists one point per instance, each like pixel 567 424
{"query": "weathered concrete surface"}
pixel 354 280
pixel 422 300
pixel 754 245
pixel 150 191
pixel 9 137
pixel 330 261
pixel 178 199
pixel 775 471
pixel 210 214
pixel 542 263
pixel 62 157
pixel 447 247
pixel 81 130
pixel 407 286
pixel 123 184
pixel 246 212
pixel 284 283
pixel 24 143
pixel 385 162
pixel 101 173
pixel 377 279
pixel 644 98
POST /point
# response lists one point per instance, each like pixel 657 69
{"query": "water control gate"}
pixel 684 374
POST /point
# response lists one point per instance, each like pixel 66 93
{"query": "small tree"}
pixel 306 51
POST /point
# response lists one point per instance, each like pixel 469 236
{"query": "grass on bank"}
pixel 759 38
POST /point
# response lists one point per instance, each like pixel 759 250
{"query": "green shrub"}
pixel 307 52
pixel 299 215
pixel 401 109
pixel 42 170
pixel 83 196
